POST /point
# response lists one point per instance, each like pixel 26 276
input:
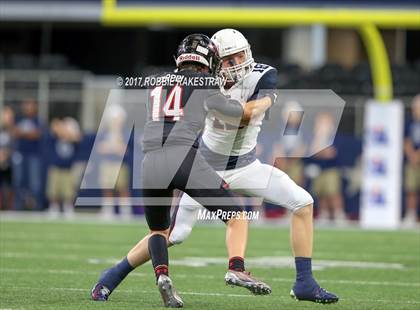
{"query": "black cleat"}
pixel 318 295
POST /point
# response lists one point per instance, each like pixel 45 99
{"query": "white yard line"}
pixel 203 276
pixel 25 255
pixel 193 261
pixel 415 302
pixel 29 240
pixel 385 283
pixel 95 219
pixel 66 245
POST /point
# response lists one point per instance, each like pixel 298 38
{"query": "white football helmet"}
pixel 229 42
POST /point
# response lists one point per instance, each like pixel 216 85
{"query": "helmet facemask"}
pixel 238 72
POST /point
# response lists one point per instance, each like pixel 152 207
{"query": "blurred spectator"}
pixel 412 167
pixel 288 152
pixel 327 186
pixel 112 144
pixel 27 159
pixel 61 188
pixel 6 149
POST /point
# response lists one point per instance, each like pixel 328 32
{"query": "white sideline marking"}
pixel 265 262
pixel 199 294
pixel 68 243
pixel 202 276
pixel 24 255
pixel 385 283
pixel 94 219
pixel 258 262
pixel 64 245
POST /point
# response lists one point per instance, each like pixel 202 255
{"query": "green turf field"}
pixel 53 266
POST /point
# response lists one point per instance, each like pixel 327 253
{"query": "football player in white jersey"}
pixel 232 153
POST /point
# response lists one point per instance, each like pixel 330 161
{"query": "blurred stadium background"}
pixel 61 58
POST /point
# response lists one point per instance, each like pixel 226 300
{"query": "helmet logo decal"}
pixel 192 57
pixel 202 50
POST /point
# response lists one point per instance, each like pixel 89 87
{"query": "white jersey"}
pixel 222 138
pixel 246 175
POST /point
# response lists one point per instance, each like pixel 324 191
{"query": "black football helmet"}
pixel 200 49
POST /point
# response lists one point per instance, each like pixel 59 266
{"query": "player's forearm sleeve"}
pixel 228 107
pixel 266 86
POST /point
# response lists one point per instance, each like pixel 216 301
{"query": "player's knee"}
pixel 164 233
pixel 307 198
pixel 179 234
pixel 303 211
pixel 304 202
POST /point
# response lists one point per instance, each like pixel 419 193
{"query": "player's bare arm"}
pixel 255 108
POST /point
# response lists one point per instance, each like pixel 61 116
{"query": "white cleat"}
pixel 244 279
pixel 169 295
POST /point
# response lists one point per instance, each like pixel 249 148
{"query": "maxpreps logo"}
pixel 379 135
pixel 377 196
pixel 377 166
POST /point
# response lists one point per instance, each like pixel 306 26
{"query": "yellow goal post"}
pixel 366 21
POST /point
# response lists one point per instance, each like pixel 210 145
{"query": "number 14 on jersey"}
pixel 172 107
